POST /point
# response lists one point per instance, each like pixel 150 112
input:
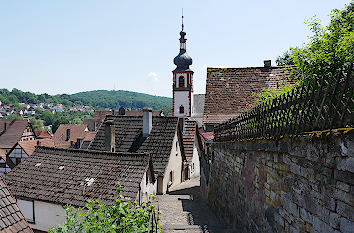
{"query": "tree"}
pixel 14 117
pixel 58 121
pixel 48 117
pixel 285 59
pixel 37 124
pixel 331 48
pixel 328 53
pixel 121 216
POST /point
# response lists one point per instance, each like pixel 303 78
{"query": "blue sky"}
pixel 70 46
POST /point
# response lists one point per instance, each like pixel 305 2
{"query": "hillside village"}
pixel 223 161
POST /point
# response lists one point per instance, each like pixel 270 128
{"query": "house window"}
pixel 181 81
pixel 147 177
pixel 27 208
pixel 171 177
pixel 181 109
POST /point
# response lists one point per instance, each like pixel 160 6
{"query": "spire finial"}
pixel 182 20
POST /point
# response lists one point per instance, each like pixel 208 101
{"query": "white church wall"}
pixel 181 98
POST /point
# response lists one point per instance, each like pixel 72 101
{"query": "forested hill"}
pixel 96 99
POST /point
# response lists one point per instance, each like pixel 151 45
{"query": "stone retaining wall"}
pixel 298 184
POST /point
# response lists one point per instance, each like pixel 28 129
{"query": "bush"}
pixel 96 216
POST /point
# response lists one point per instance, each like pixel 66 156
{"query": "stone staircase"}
pixel 183 211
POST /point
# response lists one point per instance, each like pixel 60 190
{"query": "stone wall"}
pixel 297 184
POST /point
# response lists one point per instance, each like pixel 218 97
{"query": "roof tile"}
pixel 83 175
pixel 12 220
pixel 230 91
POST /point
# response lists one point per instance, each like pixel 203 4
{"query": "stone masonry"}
pixel 295 184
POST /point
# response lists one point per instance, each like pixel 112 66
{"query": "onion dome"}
pixel 182 60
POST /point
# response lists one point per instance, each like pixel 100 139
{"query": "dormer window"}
pixel 181 109
pixel 181 81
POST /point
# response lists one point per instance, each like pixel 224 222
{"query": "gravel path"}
pixel 183 211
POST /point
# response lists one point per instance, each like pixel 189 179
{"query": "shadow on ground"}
pixel 199 213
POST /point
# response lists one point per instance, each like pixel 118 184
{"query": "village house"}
pixel 54 177
pixel 231 91
pixel 192 148
pixel 69 136
pixel 93 124
pixel 11 132
pixel 20 151
pixel 198 109
pixel 159 136
pixel 85 142
pixel 43 134
pixel 12 219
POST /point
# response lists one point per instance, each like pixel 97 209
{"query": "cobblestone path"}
pixel 183 211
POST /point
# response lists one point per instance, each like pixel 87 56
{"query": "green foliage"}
pixel 268 94
pixel 329 51
pixel 37 123
pixel 55 119
pixel 331 48
pixel 285 59
pixel 14 117
pixel 121 216
pixel 96 99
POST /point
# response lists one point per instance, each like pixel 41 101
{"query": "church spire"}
pixel 182 20
pixel 182 60
pixel 182 80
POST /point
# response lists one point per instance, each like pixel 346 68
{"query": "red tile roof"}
pixel 208 136
pixel 230 91
pixel 30 146
pixel 189 138
pixel 76 131
pixel 40 134
pixel 101 114
pixel 90 136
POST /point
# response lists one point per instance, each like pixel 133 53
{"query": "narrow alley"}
pixel 183 211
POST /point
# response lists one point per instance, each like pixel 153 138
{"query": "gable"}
pixel 128 137
pixel 231 91
pixel 16 130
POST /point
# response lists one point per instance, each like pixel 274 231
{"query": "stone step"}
pixel 193 228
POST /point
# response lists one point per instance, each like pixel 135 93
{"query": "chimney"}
pixel 267 63
pixel 109 136
pixel 121 111
pixel 5 126
pixel 67 134
pixel 147 122
pixel 38 143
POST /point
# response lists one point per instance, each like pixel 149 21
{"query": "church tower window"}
pixel 181 81
pixel 181 109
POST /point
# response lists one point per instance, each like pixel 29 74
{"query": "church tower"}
pixel 182 80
